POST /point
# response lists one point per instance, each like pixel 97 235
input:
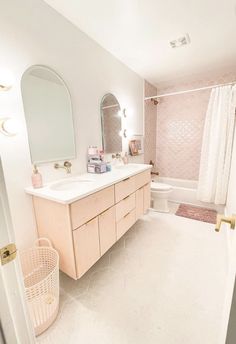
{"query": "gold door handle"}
pixel 221 218
pixel 7 253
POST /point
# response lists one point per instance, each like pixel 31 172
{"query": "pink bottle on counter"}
pixel 36 178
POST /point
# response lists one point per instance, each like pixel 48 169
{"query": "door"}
pixel 107 229
pixel 231 332
pixel 86 246
pixel 229 319
pixel 139 203
pixel 16 326
pixel 228 333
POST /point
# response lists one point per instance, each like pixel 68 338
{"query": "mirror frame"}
pixel 71 111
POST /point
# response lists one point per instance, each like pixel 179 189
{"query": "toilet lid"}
pixel 160 186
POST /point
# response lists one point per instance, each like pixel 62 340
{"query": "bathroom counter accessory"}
pixel 84 222
pixel 40 267
pixel 85 184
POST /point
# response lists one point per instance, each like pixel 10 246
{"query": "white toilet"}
pixel 159 194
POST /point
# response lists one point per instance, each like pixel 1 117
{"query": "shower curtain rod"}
pixel 188 91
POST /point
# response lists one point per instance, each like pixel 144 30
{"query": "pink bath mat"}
pixel 197 213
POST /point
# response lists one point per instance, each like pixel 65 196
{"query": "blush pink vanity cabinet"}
pixel 84 230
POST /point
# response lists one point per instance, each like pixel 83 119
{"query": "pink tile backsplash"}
pixel 176 128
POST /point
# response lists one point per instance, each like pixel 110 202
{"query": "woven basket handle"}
pixel 37 242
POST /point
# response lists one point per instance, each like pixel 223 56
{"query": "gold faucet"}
pixel 221 218
pixel 153 167
pixel 67 166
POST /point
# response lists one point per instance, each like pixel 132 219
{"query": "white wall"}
pixel 33 33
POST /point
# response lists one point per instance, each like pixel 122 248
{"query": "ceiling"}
pixel 138 32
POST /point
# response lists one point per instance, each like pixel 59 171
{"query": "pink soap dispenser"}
pixel 36 178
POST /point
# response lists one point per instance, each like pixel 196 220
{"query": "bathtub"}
pixel 185 191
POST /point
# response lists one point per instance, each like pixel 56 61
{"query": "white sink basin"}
pixel 127 167
pixel 72 184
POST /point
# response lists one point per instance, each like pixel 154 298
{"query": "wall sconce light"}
pixel 123 133
pixel 8 126
pixel 126 133
pixel 6 80
pixel 122 113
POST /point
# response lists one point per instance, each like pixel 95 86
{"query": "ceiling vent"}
pixel 180 42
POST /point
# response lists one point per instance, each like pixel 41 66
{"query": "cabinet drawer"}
pixel 139 200
pixel 146 197
pixel 124 188
pixel 89 207
pixel 107 229
pixel 86 246
pixel 142 178
pixel 125 223
pixel 125 206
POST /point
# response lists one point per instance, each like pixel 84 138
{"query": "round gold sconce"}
pixel 6 80
pixel 8 126
pixel 4 88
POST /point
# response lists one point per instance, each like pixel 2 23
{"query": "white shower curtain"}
pixel 217 145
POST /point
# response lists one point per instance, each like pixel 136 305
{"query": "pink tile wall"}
pixel 180 122
pixel 179 127
pixel 150 125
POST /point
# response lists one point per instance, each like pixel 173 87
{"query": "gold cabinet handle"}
pixel 90 221
pixel 127 215
pixel 125 180
pixel 221 218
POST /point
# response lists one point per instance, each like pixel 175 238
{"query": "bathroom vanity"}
pixel 84 216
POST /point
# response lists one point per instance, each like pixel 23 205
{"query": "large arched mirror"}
pixel 111 124
pixel 48 114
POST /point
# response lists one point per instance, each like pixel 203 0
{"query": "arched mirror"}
pixel 111 124
pixel 48 114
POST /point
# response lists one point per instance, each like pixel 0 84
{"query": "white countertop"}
pixel 85 184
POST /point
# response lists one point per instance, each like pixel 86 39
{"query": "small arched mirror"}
pixel 48 114
pixel 111 124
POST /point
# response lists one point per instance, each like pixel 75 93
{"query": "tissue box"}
pixel 100 167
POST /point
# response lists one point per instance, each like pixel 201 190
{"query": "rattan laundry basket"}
pixel 40 266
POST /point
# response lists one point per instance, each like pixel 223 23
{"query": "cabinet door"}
pixel 86 246
pixel 90 206
pixel 125 206
pixel 125 223
pixel 124 188
pixel 139 203
pixel 142 179
pixel 146 197
pixel 107 229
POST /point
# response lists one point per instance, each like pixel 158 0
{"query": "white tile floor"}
pixel 162 283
